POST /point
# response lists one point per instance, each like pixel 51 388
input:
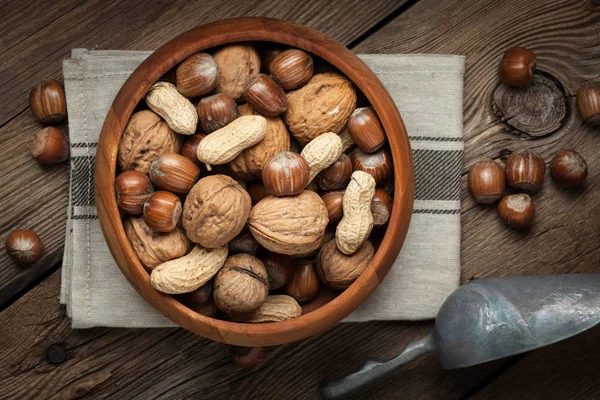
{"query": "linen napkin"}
pixel 428 90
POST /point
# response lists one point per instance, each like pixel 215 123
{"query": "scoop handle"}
pixel 373 372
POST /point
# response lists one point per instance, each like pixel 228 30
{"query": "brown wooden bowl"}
pixel 240 30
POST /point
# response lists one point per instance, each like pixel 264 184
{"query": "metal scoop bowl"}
pixel 491 319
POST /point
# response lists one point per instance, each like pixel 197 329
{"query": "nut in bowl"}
pixel 292 226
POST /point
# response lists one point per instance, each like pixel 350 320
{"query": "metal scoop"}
pixel 491 319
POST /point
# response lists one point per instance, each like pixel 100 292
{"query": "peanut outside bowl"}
pixel 239 30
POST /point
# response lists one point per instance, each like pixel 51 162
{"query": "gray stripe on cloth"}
pixel 435 174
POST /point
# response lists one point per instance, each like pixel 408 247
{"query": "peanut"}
pixel 357 222
pixel 321 152
pixel 180 114
pixel 188 273
pixel 223 145
pixel 347 141
pixel 274 308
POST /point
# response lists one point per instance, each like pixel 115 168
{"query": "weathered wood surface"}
pixel 172 363
pixel 35 197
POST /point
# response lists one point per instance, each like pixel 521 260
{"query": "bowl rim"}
pixel 233 31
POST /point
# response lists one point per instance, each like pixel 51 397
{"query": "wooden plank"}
pixel 35 197
pixel 41 357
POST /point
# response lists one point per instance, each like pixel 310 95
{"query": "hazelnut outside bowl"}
pixel 240 30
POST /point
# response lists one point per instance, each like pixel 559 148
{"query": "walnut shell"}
pixel 251 161
pixel 324 104
pixel 337 270
pixel 145 137
pixel 289 225
pixel 238 65
pixel 215 211
pixel 154 248
pixel 241 285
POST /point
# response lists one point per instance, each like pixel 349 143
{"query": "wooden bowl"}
pixel 240 30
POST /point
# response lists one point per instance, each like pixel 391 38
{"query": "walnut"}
pixel 241 285
pixel 154 248
pixel 238 65
pixel 250 162
pixel 215 211
pixel 323 105
pixel 337 270
pixel 289 225
pixel 145 137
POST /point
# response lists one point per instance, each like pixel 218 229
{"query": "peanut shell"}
pixel 164 99
pixel 321 152
pixel 357 222
pixel 224 144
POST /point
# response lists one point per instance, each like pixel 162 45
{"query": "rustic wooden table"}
pixel 42 357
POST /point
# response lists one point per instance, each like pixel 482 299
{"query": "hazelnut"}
pixel 378 164
pixel 338 270
pixel 241 285
pixel 247 357
pixel 152 248
pixel 325 295
pixel 381 207
pixel 516 210
pixel 216 111
pixel 257 191
pixel 267 55
pixel 588 103
pixel 174 172
pixel 198 297
pixel 366 129
pixel 24 246
pixel 133 189
pixel 568 169
pixel 238 64
pixel 304 284
pixel 145 137
pixel 337 175
pixel 516 67
pixel 486 181
pixel 292 68
pixel 162 211
pixel 286 174
pixel 197 75
pixel 244 243
pixel 333 202
pixel 48 102
pixel 312 186
pixel 525 170
pixel 49 146
pixel 215 211
pixel 190 146
pixel 280 268
pixel 266 96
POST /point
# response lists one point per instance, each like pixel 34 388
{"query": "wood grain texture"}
pixel 231 31
pixel 150 364
pixel 138 25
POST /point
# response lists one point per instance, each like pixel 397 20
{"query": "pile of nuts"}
pixel 241 189
pixel 525 170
